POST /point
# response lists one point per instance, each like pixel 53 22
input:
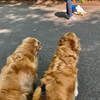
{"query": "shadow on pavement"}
pixel 60 14
pixel 19 22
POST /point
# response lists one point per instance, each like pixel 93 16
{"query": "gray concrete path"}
pixel 18 22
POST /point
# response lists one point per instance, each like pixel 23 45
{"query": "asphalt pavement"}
pixel 19 22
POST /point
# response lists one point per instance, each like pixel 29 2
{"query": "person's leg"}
pixel 69 8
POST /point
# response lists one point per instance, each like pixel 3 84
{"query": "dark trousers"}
pixel 69 7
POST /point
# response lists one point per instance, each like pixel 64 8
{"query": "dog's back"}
pixel 61 77
pixel 20 73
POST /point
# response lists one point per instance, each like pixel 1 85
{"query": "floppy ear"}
pixel 73 40
pixel 46 80
pixel 74 44
pixel 61 41
pixel 37 45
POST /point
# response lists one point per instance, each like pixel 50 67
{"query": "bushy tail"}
pixel 37 94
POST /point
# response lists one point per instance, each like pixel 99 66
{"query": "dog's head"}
pixel 35 42
pixel 70 40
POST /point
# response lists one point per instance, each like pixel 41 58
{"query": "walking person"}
pixel 69 14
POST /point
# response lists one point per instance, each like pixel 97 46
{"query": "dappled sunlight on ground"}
pixel 94 21
pixel 5 31
pixel 42 13
pixel 20 21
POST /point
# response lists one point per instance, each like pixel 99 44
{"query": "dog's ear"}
pixel 37 45
pixel 61 41
pixel 73 40
pixel 35 42
pixel 46 80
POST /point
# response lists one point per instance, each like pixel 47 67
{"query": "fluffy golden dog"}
pixel 20 72
pixel 60 81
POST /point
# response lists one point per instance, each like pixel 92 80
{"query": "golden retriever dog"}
pixel 60 80
pixel 18 76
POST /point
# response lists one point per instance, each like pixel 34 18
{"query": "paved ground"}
pixel 18 22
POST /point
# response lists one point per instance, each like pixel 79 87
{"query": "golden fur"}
pixel 20 72
pixel 60 79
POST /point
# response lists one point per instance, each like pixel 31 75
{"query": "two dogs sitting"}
pixel 19 75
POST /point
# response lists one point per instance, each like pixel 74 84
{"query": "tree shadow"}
pixel 19 22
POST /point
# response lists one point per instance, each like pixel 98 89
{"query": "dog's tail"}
pixel 37 94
